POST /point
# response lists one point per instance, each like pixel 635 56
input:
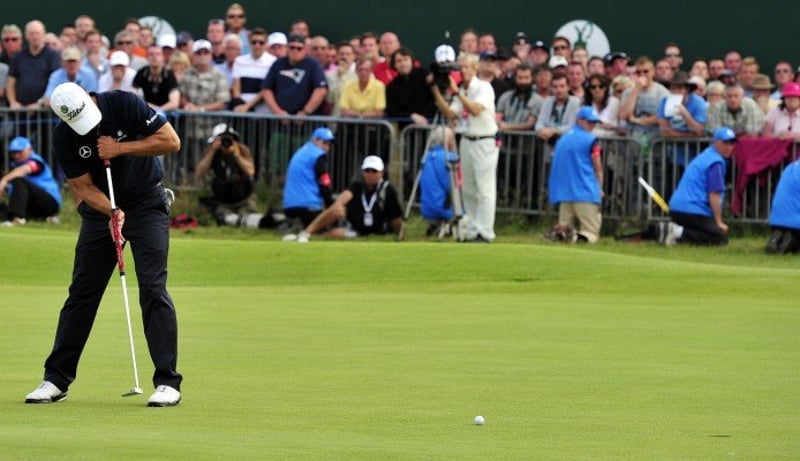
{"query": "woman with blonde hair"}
pixel 178 63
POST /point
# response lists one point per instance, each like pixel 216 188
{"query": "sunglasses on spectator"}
pixel 257 42
pixel 125 42
pixel 642 71
pixel 235 16
pixel 296 48
pixel 597 87
pixel 10 39
pixel 15 152
pixel 370 170
pixel 561 47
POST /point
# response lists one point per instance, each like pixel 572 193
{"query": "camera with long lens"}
pixel 443 65
pixel 226 140
pixel 441 74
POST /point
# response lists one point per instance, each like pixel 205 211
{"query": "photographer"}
pixel 233 170
pixel 474 110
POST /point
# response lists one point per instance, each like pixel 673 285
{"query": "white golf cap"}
pixel 277 38
pixel 444 53
pixel 119 58
pixel 75 107
pixel 167 41
pixel 557 61
pixel 372 162
pixel 201 44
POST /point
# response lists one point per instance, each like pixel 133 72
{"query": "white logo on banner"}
pixel 585 34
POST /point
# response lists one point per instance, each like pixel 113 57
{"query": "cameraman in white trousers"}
pixel 473 111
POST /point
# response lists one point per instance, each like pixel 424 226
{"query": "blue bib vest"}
pixel 572 176
pixel 44 180
pixel 302 188
pixel 435 185
pixel 691 196
pixel 786 204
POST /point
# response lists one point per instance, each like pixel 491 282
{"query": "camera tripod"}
pixel 454 225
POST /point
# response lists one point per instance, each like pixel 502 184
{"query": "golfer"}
pixel 119 127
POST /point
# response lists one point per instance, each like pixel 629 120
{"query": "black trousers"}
pixel 699 229
pixel 147 231
pixel 28 200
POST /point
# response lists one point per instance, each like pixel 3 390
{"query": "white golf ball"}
pixel 479 420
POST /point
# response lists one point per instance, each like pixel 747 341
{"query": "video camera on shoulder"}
pixel 226 134
pixel 444 64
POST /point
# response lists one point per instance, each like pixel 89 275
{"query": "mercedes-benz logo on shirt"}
pixel 85 151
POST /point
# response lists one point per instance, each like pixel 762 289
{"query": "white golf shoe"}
pixel 164 396
pixel 303 237
pixel 47 392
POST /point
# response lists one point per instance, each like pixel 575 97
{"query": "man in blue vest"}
pixel 308 180
pixel 32 190
pixel 696 206
pixel 576 180
pixel 434 181
pixel 785 215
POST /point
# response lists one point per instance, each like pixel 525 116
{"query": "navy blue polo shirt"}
pixel 292 85
pixel 32 73
pixel 126 117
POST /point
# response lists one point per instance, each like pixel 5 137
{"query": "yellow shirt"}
pixel 372 98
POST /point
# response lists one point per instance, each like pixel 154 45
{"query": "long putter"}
pixel 654 195
pixel 121 264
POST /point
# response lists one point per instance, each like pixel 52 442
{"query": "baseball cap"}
pixel 444 53
pixel 297 38
pixel 726 73
pixel 610 57
pixel 589 114
pixel 277 38
pixel 201 44
pixel 220 129
pixel 372 162
pixel 724 134
pixel 540 44
pixel 18 144
pixel 119 58
pixel 167 41
pixel 521 38
pixel 75 107
pixel 557 61
pixel 488 56
pixel 71 54
pixel 183 38
pixel 323 133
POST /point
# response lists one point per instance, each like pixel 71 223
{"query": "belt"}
pixel 478 138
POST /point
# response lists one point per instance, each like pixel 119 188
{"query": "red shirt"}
pixel 384 72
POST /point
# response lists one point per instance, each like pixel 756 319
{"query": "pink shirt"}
pixel 782 122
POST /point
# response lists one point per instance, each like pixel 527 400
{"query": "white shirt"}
pixel 483 124
pixel 251 72
pixel 105 82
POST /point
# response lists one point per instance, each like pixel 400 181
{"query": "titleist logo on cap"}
pixel 70 114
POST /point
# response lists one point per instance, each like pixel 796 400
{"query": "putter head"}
pixel 134 391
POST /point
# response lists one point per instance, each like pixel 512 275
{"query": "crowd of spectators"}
pixel 538 84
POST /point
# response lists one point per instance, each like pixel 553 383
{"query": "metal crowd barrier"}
pixel 524 167
pixel 37 125
pixel 668 162
pixel 272 141
pixel 522 174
